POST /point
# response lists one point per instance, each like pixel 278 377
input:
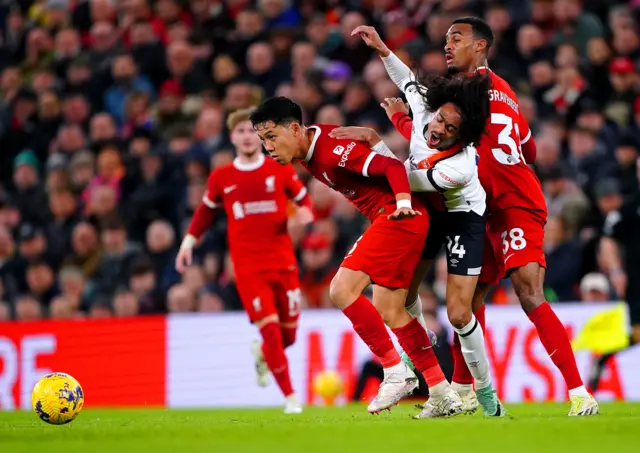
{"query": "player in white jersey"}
pixel 441 165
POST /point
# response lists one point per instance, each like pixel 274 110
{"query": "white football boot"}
pixel 399 381
pixel 292 405
pixel 583 406
pixel 442 404
pixel 262 370
pixel 467 396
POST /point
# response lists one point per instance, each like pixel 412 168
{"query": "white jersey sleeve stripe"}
pixel 301 194
pixel 209 203
pixel 365 168
pixel 526 139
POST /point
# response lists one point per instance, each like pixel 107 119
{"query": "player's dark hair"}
pixel 479 27
pixel 470 95
pixel 280 110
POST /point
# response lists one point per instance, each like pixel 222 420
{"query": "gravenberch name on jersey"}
pixel 499 96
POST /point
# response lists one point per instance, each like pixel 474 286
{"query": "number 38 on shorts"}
pixel 513 240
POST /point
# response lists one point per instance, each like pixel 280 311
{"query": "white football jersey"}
pixel 456 177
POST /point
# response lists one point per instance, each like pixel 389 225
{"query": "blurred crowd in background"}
pixel 113 113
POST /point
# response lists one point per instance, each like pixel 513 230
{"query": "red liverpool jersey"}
pixel 503 172
pixel 343 165
pixel 255 198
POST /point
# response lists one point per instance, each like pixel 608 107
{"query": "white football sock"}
pixel 415 310
pixel 578 391
pixel 472 346
pixel 399 368
pixel 461 389
pixel 439 389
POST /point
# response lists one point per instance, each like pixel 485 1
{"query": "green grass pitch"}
pixel 541 428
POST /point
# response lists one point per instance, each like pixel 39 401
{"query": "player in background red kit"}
pixel 517 212
pixel 385 255
pixel 255 191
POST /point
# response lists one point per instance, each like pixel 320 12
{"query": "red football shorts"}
pixel 514 239
pixel 389 251
pixel 269 293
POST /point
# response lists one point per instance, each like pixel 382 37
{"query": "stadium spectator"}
pixel 5 311
pixel 181 299
pixel 113 115
pixel 594 287
pixel 27 308
pixel 125 304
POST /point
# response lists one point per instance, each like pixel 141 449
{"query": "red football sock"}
pixel 415 342
pixel 369 326
pixel 480 314
pixel 555 340
pixel 461 373
pixel 274 356
pixel 288 336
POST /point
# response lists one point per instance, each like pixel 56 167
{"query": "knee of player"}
pixel 340 292
pixel 459 314
pixel 389 313
pixel 288 336
pixel 529 295
pixel 527 290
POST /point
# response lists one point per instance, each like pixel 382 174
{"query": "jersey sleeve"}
pixel 355 157
pixel 294 188
pixel 212 197
pixel 403 123
pixel 367 162
pixel 205 213
pixel 526 140
pixel 405 80
pixel 439 179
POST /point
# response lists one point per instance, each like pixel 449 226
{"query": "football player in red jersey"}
pixel 517 210
pixel 385 255
pixel 255 191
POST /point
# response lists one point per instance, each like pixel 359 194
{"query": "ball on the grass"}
pixel 328 384
pixel 57 398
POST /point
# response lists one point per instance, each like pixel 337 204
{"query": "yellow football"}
pixel 328 384
pixel 57 398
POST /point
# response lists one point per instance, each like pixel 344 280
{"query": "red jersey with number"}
pixel 503 172
pixel 255 198
pixel 343 165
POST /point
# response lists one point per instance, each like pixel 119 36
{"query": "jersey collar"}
pixel 249 167
pixel 432 160
pixel 312 147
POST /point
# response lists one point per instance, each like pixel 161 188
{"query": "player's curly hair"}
pixel 470 95
pixel 280 110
